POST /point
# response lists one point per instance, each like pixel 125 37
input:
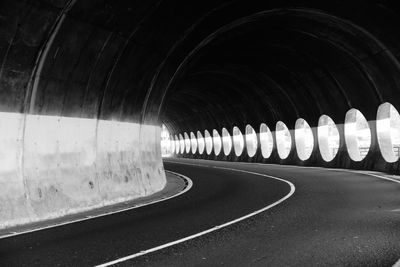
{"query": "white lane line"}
pixel 335 169
pixel 189 184
pixel 144 252
pixel 397 264
pixel 374 175
pixel 369 173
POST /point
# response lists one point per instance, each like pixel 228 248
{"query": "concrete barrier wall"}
pixel 52 166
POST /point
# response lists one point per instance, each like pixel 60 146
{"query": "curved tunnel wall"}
pixel 192 65
pixel 71 138
pixel 282 64
pixel 54 165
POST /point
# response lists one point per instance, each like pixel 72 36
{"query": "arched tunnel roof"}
pixel 126 126
pixel 197 65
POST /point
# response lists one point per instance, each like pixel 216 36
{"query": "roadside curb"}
pixel 177 184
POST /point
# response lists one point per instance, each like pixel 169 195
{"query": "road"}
pixel 333 218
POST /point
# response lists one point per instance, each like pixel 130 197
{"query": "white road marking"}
pixel 369 173
pixel 144 252
pixel 375 175
pixel 89 217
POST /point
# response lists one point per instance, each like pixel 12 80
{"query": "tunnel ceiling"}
pixel 198 65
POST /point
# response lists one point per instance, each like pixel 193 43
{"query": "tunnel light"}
pixel 209 142
pixel 187 143
pixel 304 139
pixel 200 142
pixel 251 141
pixel 388 132
pixel 172 144
pixel 283 140
pixel 238 141
pixel 226 141
pixel 177 146
pixel 328 138
pixel 357 135
pixel 181 144
pixel 165 142
pixel 266 141
pixel 217 142
pixel 193 142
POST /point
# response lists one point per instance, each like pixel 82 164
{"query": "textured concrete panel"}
pixel 64 165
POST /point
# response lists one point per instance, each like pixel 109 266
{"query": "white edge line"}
pixel 144 252
pixel 365 172
pixel 187 188
pixel 397 264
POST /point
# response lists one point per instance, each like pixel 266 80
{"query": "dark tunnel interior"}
pixel 199 133
pixel 204 65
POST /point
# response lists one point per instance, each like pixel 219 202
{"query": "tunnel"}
pixel 94 94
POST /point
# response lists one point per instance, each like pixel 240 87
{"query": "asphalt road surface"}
pixel 334 218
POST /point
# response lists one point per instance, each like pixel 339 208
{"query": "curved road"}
pixel 334 218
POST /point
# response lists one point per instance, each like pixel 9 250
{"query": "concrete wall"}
pixel 51 166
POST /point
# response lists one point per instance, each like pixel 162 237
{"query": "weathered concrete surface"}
pixel 174 185
pixel 52 166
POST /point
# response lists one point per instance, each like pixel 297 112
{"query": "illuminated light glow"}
pixel 172 144
pixel 200 142
pixel 187 143
pixel 328 138
pixel 304 139
pixel 283 140
pixel 266 141
pixel 238 141
pixel 251 141
pixel 226 141
pixel 176 145
pixel 217 142
pixel 388 132
pixel 357 135
pixel 193 142
pixel 209 142
pixel 181 144
pixel 167 145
